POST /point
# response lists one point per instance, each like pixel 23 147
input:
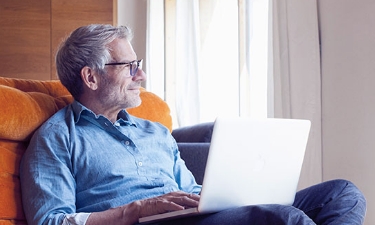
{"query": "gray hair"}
pixel 86 46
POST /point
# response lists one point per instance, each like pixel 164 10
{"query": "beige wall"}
pixel 348 93
pixel 134 14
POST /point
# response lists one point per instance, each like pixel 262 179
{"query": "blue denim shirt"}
pixel 81 162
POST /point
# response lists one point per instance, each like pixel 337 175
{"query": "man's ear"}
pixel 89 78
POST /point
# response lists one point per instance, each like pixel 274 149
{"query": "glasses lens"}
pixel 134 67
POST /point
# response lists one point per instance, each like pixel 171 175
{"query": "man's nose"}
pixel 140 75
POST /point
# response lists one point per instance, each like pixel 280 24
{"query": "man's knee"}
pixel 348 189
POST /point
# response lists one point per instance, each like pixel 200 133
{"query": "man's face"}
pixel 118 89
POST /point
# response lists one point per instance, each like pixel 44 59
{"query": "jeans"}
pixel 335 202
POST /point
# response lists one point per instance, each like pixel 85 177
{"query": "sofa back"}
pixel 24 106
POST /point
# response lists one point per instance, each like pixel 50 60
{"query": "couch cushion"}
pixel 153 108
pixel 23 112
pixel 51 87
pixel 196 133
pixel 195 156
pixel 11 211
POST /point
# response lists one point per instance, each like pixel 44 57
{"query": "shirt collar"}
pixel 79 110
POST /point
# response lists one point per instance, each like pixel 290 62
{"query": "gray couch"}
pixel 194 142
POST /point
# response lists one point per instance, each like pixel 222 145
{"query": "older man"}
pixel 93 163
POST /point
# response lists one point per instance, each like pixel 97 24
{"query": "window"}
pixel 215 57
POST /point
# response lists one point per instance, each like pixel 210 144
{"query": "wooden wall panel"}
pixel 68 15
pixel 31 30
pixel 25 39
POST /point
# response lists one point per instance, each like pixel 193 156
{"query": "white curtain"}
pixel 200 58
pixel 206 67
pixel 296 76
pixel 154 60
pixel 200 84
pixel 187 90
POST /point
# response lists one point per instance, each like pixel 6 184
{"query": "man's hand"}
pixel 169 202
pixel 130 213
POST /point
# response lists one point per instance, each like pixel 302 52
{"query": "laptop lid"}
pixel 253 161
pixel 250 161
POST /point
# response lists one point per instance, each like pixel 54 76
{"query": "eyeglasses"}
pixel 133 65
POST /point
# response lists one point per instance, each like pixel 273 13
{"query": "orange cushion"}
pixel 153 108
pixel 23 112
pixel 11 211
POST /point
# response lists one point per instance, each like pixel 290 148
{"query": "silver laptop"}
pixel 250 161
